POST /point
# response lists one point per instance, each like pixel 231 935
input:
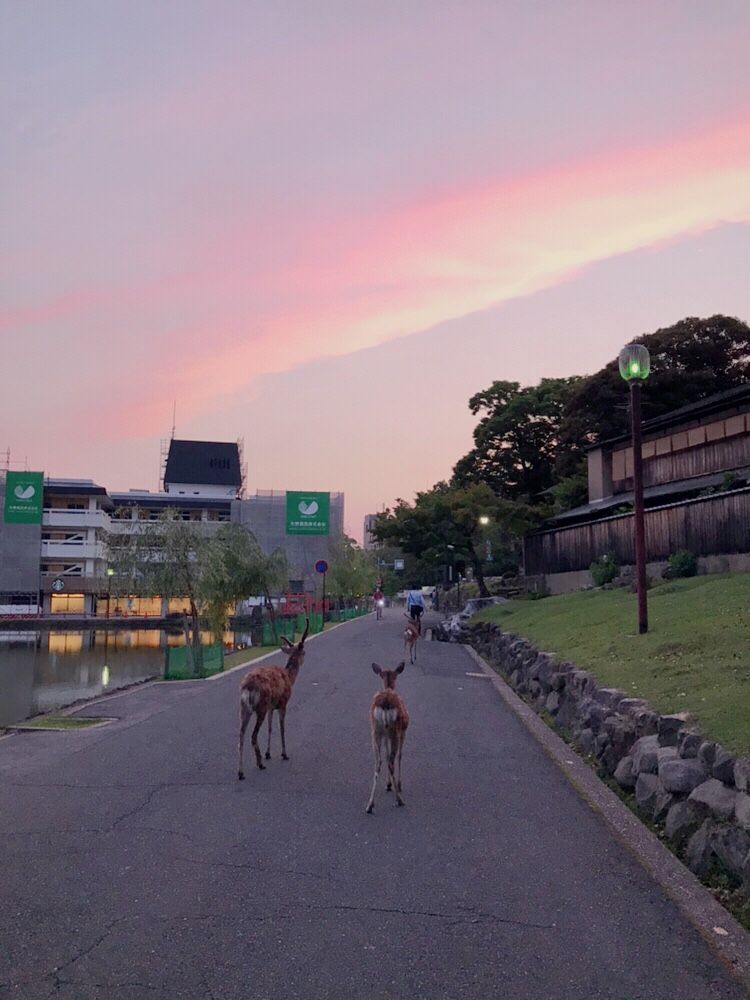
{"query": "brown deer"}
pixel 411 634
pixel 268 689
pixel 389 721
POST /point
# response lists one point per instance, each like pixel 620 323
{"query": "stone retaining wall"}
pixel 696 789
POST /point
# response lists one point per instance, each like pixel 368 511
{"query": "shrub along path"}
pixel 696 656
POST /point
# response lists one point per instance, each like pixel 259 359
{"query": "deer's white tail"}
pixel 249 699
pixel 385 716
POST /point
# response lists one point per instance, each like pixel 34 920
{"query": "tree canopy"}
pixel 517 439
pixel 443 525
pixel 690 360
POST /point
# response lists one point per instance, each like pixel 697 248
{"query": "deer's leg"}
pixel 244 719
pixel 392 749
pixel 378 763
pixel 260 716
pixel 270 726
pixel 282 720
pixel 400 751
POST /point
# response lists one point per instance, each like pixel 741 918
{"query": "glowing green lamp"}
pixel 635 363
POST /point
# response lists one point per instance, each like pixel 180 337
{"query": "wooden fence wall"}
pixel 714 525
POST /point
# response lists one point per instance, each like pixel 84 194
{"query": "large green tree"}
pixel 517 439
pixel 690 360
pixel 445 524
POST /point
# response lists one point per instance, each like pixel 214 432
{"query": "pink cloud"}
pixel 355 282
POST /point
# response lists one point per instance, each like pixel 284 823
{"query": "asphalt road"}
pixel 135 865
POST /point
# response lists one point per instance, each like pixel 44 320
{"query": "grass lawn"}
pixel 695 657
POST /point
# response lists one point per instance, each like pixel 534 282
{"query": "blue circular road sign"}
pixel 321 566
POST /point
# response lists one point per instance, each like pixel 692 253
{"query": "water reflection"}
pixel 42 671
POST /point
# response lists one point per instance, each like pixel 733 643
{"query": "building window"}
pixel 67 604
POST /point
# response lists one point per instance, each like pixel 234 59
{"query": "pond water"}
pixel 43 671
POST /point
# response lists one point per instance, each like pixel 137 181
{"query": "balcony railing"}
pixel 60 517
pixel 67 550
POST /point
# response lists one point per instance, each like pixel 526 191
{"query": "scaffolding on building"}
pixel 243 468
pixel 7 466
pixel 163 455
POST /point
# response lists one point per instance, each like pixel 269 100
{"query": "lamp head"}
pixel 635 363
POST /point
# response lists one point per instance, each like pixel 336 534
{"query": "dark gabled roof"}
pixel 205 463
pixel 693 411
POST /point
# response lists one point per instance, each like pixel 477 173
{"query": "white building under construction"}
pixel 59 565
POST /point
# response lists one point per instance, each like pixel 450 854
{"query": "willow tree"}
pixel 164 558
pixel 351 570
pixel 172 558
pixel 237 568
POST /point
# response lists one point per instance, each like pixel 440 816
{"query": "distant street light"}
pixel 635 366
pixel 484 521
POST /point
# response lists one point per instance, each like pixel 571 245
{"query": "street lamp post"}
pixel 635 365
pixel 451 566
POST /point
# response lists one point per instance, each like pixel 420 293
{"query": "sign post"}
pixel 24 497
pixel 321 566
pixel 308 513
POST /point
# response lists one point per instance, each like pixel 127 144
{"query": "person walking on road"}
pixel 415 607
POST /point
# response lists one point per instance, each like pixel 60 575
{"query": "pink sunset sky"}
pixel 322 225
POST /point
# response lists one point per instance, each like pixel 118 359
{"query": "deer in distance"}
pixel 389 721
pixel 266 690
pixel 411 634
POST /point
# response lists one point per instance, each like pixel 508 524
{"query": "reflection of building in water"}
pixel 65 642
pixel 44 671
pixel 61 564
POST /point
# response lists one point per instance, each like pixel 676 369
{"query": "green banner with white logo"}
pixel 308 513
pixel 24 496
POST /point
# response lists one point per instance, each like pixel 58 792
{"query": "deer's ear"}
pixel 376 669
pixel 400 667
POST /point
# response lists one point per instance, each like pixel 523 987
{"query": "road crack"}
pixel 452 918
pixel 250 866
pixel 55 974
pixel 141 806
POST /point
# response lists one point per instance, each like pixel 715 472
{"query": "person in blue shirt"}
pixel 415 607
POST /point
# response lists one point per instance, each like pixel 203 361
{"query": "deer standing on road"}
pixel 268 689
pixel 389 721
pixel 411 634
